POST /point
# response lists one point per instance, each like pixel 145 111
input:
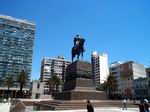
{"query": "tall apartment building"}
pixel 52 66
pixel 127 73
pixel 100 68
pixel 115 70
pixel 16 47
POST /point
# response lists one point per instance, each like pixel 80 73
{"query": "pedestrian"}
pixel 145 101
pixel 124 104
pixel 5 100
pixel 9 99
pixel 89 107
pixel 141 106
pixel 146 105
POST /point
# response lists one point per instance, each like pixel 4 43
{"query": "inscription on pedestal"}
pixel 79 69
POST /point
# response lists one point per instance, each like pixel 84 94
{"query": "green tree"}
pixel 54 83
pixel 1 81
pixel 102 87
pixel 22 78
pixel 57 83
pixel 110 85
pixel 51 85
pixel 8 83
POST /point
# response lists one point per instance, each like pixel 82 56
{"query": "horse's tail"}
pixel 72 53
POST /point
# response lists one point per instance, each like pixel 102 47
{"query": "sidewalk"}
pixel 99 109
pixel 4 107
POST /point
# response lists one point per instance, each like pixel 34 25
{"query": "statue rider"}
pixel 76 41
pixel 78 48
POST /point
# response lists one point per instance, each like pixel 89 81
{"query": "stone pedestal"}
pixel 79 84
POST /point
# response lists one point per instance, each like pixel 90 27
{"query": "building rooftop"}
pixel 62 59
pixel 116 63
pixel 17 20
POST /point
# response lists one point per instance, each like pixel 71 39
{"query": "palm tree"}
pixel 9 83
pixel 22 78
pixel 102 87
pixel 57 82
pixel 51 85
pixel 110 84
pixel 54 83
pixel 1 81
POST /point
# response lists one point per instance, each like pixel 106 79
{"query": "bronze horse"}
pixel 78 47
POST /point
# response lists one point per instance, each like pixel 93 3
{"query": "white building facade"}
pixel 37 89
pixel 125 73
pixel 115 70
pixel 51 66
pixel 100 67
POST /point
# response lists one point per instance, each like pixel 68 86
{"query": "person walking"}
pixel 5 100
pixel 141 106
pixel 124 104
pixel 146 105
pixel 89 107
pixel 9 100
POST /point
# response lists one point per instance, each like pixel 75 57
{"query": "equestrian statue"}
pixel 78 47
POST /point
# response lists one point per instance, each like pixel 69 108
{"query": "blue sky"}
pixel 120 28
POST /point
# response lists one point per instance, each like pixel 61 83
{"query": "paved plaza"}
pixel 5 108
pixel 105 109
